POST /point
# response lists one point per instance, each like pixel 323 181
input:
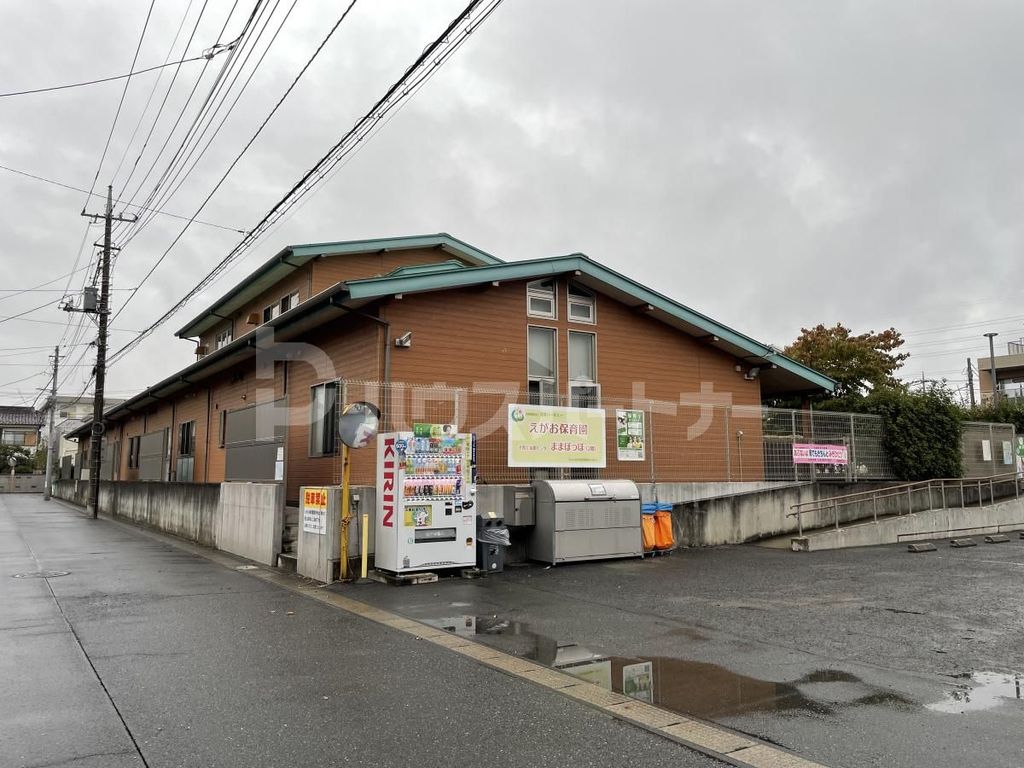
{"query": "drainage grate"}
pixel 41 574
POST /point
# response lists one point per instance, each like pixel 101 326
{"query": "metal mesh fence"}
pixel 684 442
pixel 988 449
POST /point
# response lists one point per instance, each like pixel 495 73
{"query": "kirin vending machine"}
pixel 425 516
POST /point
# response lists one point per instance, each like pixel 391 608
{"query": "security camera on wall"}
pixel 405 340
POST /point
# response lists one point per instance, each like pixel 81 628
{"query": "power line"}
pixel 106 79
pixel 432 58
pixel 167 94
pixel 120 103
pixel 50 303
pixel 152 91
pixel 36 287
pixel 176 173
pixel 56 183
pixel 195 120
pixel 248 144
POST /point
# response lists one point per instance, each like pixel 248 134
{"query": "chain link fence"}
pixel 689 441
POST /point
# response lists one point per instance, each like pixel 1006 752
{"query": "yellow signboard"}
pixel 551 436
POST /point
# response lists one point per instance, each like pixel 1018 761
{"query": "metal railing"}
pixel 887 502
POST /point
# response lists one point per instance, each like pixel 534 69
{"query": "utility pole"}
pixel 103 311
pixel 50 447
pixel 970 380
pixel 992 366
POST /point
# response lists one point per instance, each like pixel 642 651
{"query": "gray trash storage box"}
pixel 585 520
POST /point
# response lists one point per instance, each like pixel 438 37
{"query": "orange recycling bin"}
pixel 662 529
pixel 648 531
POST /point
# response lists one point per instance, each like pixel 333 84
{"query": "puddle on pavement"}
pixel 981 691
pixel 687 687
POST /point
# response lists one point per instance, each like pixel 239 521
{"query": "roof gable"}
pixel 293 257
pixel 589 272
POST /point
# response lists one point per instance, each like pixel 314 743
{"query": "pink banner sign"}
pixel 809 453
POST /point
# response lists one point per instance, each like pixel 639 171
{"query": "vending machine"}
pixel 425 516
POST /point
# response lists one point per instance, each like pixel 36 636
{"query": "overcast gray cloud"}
pixel 774 165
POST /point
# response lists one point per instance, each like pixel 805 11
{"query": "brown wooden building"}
pixel 435 329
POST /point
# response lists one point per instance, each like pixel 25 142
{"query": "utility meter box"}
pixel 580 520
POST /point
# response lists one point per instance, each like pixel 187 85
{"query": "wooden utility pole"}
pixel 102 311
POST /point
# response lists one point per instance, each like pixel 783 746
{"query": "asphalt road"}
pixel 864 657
pixel 145 655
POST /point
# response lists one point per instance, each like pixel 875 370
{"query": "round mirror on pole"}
pixel 359 424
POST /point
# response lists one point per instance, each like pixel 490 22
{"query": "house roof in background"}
pixel 20 416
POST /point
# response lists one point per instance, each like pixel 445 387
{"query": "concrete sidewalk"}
pixel 146 655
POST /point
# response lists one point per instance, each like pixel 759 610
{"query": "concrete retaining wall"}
pixel 250 518
pixel 188 510
pixel 764 513
pixel 936 524
pixel 244 519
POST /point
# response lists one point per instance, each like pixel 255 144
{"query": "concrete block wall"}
pixel 27 483
pixel 250 518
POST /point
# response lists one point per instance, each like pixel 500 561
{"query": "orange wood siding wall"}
pixel 462 338
pixel 480 335
pixel 354 351
pixel 297 281
pixel 337 269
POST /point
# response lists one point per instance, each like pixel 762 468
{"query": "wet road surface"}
pixel 867 657
pixel 146 655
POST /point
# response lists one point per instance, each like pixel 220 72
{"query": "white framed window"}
pixel 269 313
pixel 540 298
pixel 223 338
pixel 582 304
pixel 584 391
pixel 542 365
pixel 290 302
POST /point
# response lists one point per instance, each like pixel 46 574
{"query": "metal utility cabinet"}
pixel 585 520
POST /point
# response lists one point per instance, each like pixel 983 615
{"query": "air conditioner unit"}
pixel 253 318
pixel 202 351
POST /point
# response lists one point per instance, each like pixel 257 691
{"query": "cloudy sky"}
pixel 773 165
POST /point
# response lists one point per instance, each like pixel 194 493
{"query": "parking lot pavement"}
pixel 853 657
pixel 134 652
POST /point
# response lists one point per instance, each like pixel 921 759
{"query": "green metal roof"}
pixel 426 269
pixel 295 256
pixel 587 271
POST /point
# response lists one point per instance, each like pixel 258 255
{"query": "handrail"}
pixel 907 490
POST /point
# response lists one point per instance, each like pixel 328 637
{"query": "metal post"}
pixel 874 505
pixel 992 453
pixel 365 523
pixel 650 447
pixel 991 492
pixel 910 502
pixel 796 467
pixel 944 495
pixel 50 447
pixel 853 451
pixel 800 523
pixel 835 509
pixel 980 504
pixel 346 513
